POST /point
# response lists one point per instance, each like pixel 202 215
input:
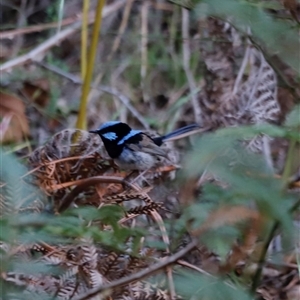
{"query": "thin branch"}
pixel 121 30
pixel 267 153
pixel 84 38
pixel 39 51
pixel 60 14
pixel 84 183
pixel 116 42
pixel 144 48
pixel 186 65
pixel 171 284
pixel 246 58
pixel 258 77
pixel 241 71
pixel 106 89
pixel 54 162
pixel 20 23
pixel 261 261
pixel 262 258
pixel 114 83
pixel 126 102
pixel 10 34
pixel 193 267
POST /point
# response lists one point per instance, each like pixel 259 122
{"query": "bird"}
pixel 133 149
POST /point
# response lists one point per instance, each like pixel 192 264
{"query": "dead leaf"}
pixel 188 192
pixel 242 251
pixel 14 124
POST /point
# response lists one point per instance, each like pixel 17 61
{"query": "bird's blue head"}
pixel 114 134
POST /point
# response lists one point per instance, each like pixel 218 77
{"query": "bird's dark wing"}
pixel 147 145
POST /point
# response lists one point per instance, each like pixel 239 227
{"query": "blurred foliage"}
pixel 247 178
pixel 194 286
pixel 246 174
pixel 54 10
pixel 293 119
pixel 48 227
pixel 254 15
pixel 21 229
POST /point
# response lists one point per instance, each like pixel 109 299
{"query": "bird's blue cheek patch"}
pixel 110 136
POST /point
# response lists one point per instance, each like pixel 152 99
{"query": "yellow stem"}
pixel 81 122
pixel 84 37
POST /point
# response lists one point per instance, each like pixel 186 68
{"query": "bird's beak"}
pixel 93 131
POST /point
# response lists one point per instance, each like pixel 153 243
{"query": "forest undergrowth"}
pixel 218 218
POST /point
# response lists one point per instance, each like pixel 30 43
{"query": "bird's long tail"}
pixel 178 133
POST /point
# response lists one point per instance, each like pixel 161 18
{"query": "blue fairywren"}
pixel 133 149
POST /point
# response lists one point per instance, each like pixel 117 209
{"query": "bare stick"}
pixel 267 152
pixel 171 283
pixel 239 77
pixel 10 34
pixel 84 183
pixel 122 28
pixel 186 65
pixel 39 51
pixel 144 48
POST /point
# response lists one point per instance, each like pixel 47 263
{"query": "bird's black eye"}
pixel 110 136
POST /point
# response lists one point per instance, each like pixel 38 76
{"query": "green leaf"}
pixel 246 175
pixel 293 118
pixel 191 285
